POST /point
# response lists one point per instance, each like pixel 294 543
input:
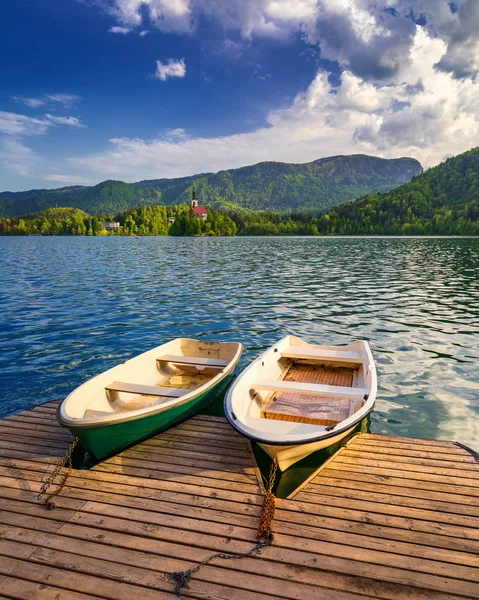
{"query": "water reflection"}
pixel 73 307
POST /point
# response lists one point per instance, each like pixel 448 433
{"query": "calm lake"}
pixel 73 307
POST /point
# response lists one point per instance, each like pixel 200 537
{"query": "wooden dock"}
pixel 388 518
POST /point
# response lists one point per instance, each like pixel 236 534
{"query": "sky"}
pixel 144 89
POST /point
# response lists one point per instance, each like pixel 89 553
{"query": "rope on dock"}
pixel 264 536
pixel 56 471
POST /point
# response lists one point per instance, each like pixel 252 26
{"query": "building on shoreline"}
pixel 111 225
pixel 199 211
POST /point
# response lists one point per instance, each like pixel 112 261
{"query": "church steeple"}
pixel 194 201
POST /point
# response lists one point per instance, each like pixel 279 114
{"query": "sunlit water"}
pixel 73 307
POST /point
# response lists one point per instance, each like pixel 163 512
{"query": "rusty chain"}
pixel 54 474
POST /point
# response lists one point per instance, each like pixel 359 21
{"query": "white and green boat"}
pixel 148 394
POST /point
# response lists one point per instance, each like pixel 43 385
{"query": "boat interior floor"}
pixel 315 410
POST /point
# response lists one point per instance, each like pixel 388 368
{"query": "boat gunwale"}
pixel 134 415
pixel 303 441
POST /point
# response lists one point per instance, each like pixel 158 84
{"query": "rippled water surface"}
pixel 73 307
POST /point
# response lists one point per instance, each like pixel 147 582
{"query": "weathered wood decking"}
pixel 388 518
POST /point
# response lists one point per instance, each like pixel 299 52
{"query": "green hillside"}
pixel 442 200
pixel 282 187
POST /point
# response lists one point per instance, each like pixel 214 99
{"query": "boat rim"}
pixel 107 421
pixel 311 440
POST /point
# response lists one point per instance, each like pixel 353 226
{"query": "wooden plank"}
pixel 37 441
pixel 418 445
pixel 342 356
pixel 190 445
pixel 34 431
pixel 28 419
pixel 203 438
pixel 412 457
pixel 408 466
pixel 145 390
pixel 314 389
pixel 12 587
pixel 398 439
pixel 209 419
pixel 194 361
pixel 460 485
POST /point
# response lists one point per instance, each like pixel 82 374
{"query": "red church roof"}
pixel 199 210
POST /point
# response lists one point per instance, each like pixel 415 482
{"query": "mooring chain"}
pixel 264 536
pixel 54 474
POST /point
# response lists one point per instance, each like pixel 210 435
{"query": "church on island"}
pixel 199 211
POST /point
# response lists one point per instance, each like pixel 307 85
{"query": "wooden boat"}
pixel 297 398
pixel 148 393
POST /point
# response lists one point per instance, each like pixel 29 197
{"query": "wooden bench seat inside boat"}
pixel 194 361
pixel 299 352
pixel 145 390
pixel 310 389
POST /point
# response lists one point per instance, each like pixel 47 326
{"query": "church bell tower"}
pixel 194 201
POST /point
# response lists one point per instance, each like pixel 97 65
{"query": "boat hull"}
pixel 107 440
pixel 288 455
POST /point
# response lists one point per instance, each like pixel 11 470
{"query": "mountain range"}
pixel 282 187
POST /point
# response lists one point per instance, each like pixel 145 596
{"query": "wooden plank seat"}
pixel 312 389
pixel 299 352
pixel 145 390
pixel 194 361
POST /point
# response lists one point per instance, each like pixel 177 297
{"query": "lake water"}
pixel 73 307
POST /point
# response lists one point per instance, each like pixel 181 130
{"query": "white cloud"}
pixel 120 30
pixel 30 102
pixel 21 125
pixel 171 68
pixel 71 121
pixel 168 15
pixel 66 100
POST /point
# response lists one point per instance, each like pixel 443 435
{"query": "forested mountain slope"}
pixel 312 187
pixel 442 200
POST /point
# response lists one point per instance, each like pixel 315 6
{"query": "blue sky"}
pixel 131 89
